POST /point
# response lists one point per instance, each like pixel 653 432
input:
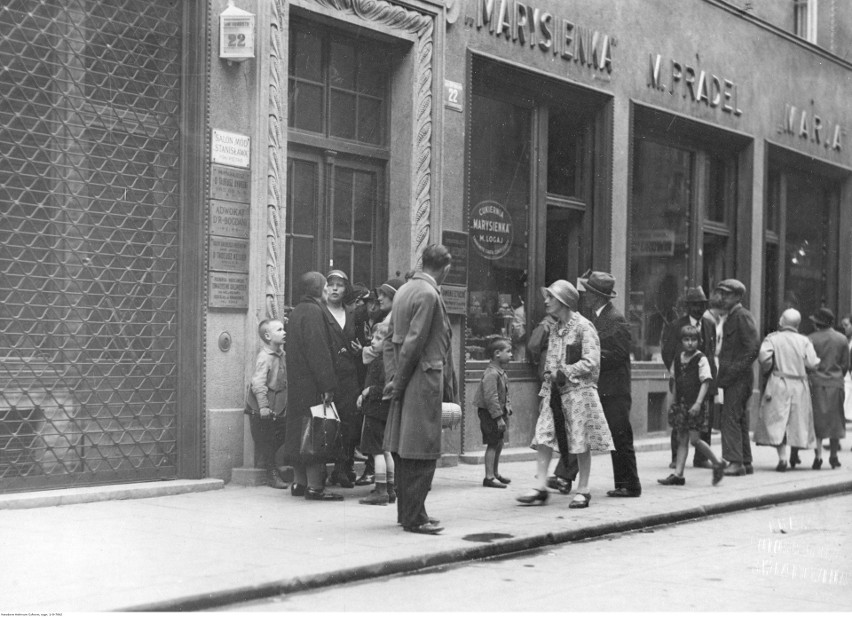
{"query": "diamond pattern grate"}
pixel 89 196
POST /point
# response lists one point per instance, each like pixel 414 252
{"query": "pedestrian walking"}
pixel 827 387
pixel 494 408
pixel 689 415
pixel 846 324
pixel 312 381
pixel 374 407
pixel 784 414
pixel 419 376
pixel 739 347
pixel 696 307
pixel 266 399
pixel 571 374
pixel 614 382
pixel 567 468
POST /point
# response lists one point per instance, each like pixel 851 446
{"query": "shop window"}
pixel 662 201
pixel 499 213
pixel 338 87
pixel 566 149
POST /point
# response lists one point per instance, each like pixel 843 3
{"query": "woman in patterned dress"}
pixel 571 368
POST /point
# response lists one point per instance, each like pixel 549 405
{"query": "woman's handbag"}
pixel 321 433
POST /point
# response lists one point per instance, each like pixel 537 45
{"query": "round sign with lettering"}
pixel 491 229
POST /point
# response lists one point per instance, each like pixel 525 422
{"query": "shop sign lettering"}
pixel 229 219
pixel 811 127
pixel 230 148
pixel 491 229
pixel 527 25
pixel 697 85
pixel 228 290
pixel 230 184
pixel 228 254
pixel 652 242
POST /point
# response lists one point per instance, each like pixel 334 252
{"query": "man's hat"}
pixel 732 285
pixel 563 291
pixel 339 274
pixel 694 295
pixel 601 284
pixel 823 317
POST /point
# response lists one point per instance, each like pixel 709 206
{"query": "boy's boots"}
pixel 378 496
pixel 273 478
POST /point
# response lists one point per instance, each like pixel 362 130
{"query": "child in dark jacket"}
pixel 375 411
pixel 494 408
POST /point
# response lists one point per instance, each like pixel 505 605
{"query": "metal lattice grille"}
pixel 89 179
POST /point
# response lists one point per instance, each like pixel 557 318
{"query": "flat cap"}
pixel 732 285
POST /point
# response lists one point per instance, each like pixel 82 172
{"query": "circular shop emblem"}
pixel 491 229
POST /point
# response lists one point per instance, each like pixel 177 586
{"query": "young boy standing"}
pixel 494 408
pixel 267 399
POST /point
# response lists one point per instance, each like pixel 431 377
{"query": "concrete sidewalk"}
pixel 203 549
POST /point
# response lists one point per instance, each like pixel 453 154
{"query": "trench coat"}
pixel 311 371
pixel 785 403
pixel 419 365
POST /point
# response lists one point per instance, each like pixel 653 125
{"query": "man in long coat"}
pixel 785 404
pixel 740 344
pixel 419 375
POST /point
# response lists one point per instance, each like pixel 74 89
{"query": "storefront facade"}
pixel 161 194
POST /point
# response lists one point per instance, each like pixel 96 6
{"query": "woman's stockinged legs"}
pixel 782 452
pixel 584 462
pixel 543 456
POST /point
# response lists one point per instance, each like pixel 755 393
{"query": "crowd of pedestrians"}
pixel 383 359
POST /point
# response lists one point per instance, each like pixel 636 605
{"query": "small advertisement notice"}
pixel 455 299
pixel 491 229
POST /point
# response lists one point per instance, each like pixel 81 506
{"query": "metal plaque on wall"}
pixel 228 254
pixel 229 219
pixel 228 290
pixel 230 184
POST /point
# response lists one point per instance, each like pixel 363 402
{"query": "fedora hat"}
pixel 822 317
pixel 601 284
pixel 563 291
pixel 695 295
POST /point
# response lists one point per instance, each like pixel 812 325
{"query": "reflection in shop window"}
pixel 498 224
pixel 659 249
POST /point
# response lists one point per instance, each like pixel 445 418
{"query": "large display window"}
pixel 682 221
pixel 802 239
pixel 529 200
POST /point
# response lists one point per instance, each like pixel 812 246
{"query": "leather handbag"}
pixel 321 437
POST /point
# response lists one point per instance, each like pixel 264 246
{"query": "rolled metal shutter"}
pixel 89 215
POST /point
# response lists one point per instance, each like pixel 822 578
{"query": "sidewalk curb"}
pixel 503 547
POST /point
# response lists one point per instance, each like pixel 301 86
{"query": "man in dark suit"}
pixel 419 376
pixel 740 344
pixel 614 381
pixel 696 305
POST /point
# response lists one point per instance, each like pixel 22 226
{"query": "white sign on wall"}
pixel 230 149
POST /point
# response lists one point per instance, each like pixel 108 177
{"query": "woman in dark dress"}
pixel 314 380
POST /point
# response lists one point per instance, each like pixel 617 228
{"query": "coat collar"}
pixel 420 275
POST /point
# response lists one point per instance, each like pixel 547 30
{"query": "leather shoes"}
pixel 425 528
pixel 321 495
pixel 735 470
pixel 623 492
pixel 559 484
pixel 502 479
pixel 492 483
pixel 365 479
pixel 673 480
pixel 297 490
pixel 749 469
pixel 534 496
pixel 781 466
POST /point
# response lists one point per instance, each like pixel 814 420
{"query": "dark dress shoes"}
pixel 560 484
pixel 321 495
pixel 297 490
pixel 624 492
pixel 533 497
pixel 425 528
